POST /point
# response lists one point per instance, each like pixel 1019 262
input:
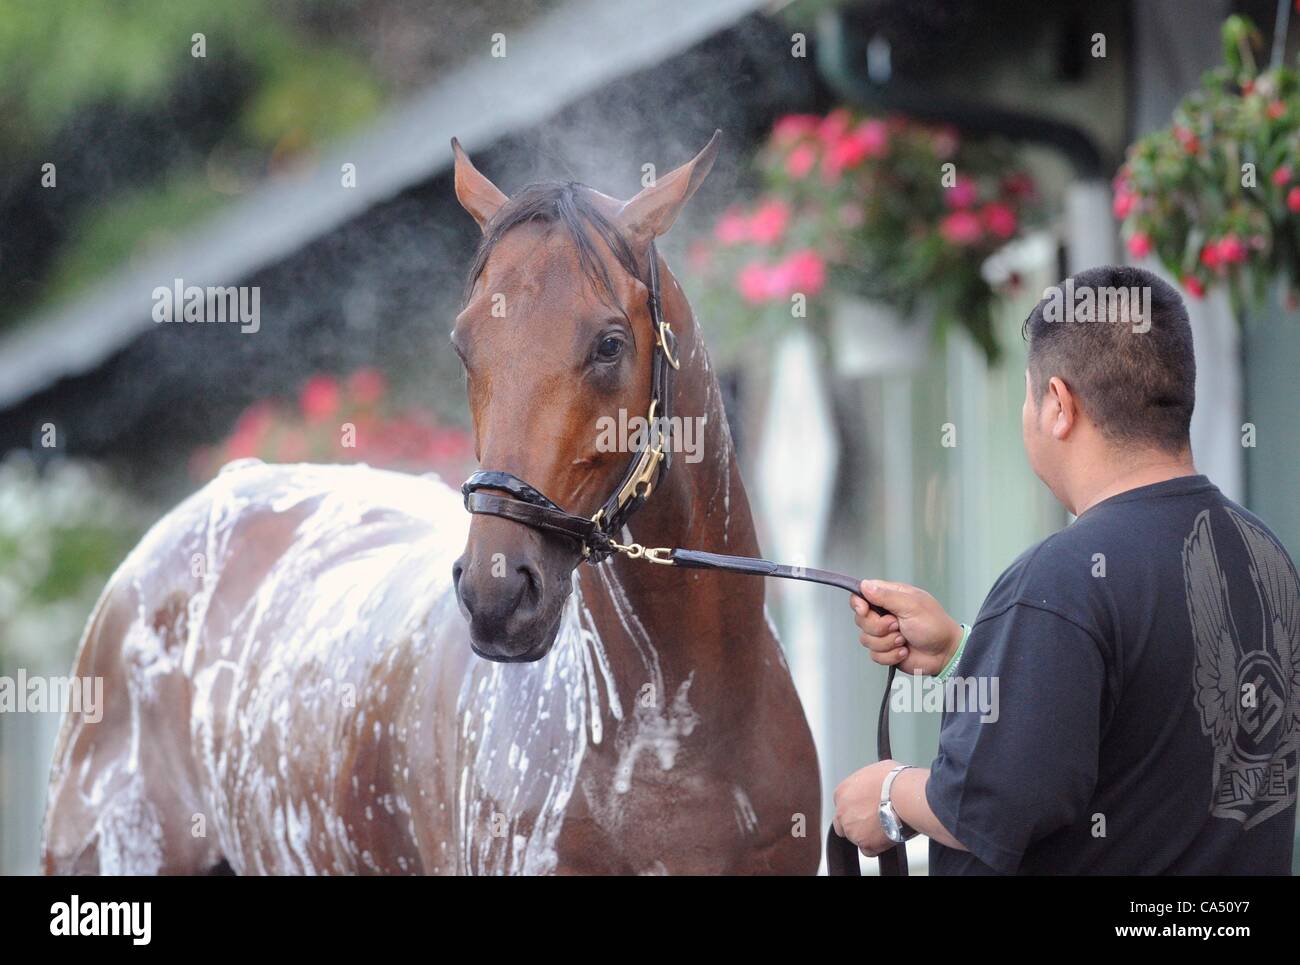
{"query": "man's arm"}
pixel 919 636
pixel 857 802
pixel 908 796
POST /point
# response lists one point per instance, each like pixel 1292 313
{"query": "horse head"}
pixel 555 337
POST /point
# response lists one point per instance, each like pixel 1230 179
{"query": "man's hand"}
pixel 857 803
pixel 918 636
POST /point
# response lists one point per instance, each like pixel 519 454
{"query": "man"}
pixel 1147 656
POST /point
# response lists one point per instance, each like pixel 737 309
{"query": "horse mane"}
pixel 566 205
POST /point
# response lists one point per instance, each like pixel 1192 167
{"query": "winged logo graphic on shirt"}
pixel 1247 692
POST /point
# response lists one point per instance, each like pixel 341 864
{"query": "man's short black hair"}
pixel 1119 338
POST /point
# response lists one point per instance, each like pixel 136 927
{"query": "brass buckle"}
pixel 662 338
pixel 644 477
pixel 652 554
pixel 642 481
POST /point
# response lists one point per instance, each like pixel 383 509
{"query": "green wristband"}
pixel 946 672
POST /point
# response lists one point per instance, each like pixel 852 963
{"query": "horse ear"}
pixel 652 212
pixel 476 194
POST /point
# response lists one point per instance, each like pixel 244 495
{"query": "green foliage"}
pixel 60 59
pixel 320 93
pixel 128 223
pixel 62 533
pixel 60 56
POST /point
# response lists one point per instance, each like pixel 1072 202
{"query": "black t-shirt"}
pixel 1147 721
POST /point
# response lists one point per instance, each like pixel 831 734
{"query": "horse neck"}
pixel 694 625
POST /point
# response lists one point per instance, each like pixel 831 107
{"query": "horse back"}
pixel 267 657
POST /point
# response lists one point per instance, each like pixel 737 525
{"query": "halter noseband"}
pixel 596 536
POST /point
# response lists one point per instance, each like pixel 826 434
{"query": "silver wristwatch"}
pixel 894 828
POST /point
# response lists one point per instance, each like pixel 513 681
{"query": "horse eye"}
pixel 609 348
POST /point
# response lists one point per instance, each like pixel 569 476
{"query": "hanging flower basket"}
pixel 884 208
pixel 1216 195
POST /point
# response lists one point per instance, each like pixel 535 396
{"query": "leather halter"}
pixel 595 536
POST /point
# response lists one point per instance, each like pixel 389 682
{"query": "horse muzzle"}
pixel 513 601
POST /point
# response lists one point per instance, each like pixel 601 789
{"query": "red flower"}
pixel 1190 142
pixel 804 271
pixel 999 219
pixel 792 127
pixel 1194 286
pixel 1139 244
pixel 732 228
pixel 319 399
pixel 873 137
pixel 769 221
pixel 1211 257
pixel 834 126
pixel 961 228
pixel 1282 175
pixel 1293 199
pixel 1125 202
pixel 1276 109
pixel 754 283
pixel 1231 249
pixel 849 148
pixel 844 153
pixel 1018 185
pixel 801 160
pixel 367 386
pixel 961 194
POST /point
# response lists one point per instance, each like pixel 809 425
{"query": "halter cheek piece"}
pixel 595 536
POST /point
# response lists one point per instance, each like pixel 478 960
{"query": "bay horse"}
pixel 300 675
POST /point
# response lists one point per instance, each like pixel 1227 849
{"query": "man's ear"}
pixel 477 195
pixel 1067 413
pixel 652 212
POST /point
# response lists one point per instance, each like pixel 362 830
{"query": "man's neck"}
pixel 1146 470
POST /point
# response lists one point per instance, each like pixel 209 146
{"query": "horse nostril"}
pixel 496 603
pixel 461 588
pixel 531 590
